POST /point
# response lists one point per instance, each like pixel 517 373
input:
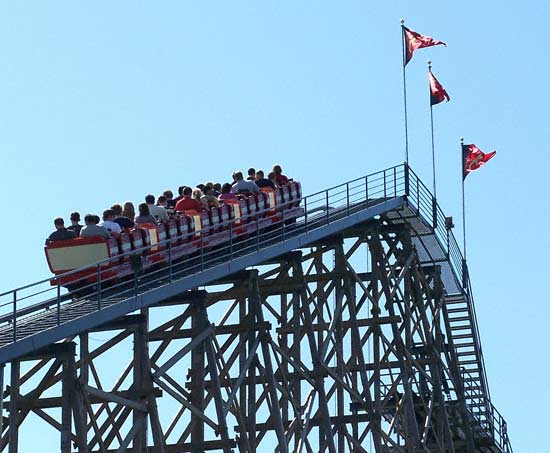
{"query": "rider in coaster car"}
pixel 61 233
pixel 262 181
pixel 280 179
pixel 92 229
pixel 242 186
pixel 187 202
pixel 144 215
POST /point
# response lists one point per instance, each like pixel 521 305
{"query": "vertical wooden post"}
pixel 376 340
pixel 411 432
pixel 198 324
pixel 139 376
pixel 255 302
pixel 326 441
pixel 251 403
pixel 243 388
pixel 67 389
pixel 295 351
pixel 339 269
pixel 80 414
pixel 14 397
pixel 283 341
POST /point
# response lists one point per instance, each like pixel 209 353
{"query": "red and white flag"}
pixel 473 158
pixel 414 40
pixel 437 92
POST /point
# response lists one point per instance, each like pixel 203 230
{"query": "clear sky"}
pixel 104 101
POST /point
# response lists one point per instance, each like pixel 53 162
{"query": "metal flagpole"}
pixel 463 198
pixel 432 127
pixel 405 92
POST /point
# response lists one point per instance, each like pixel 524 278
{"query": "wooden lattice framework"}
pixel 340 347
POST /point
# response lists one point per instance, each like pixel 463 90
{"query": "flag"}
pixel 437 92
pixel 473 158
pixel 414 40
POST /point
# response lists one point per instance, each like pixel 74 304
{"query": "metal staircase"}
pixel 468 353
pixel 38 315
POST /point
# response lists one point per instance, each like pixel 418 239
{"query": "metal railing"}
pixel 427 207
pixel 422 199
pixel 24 304
pixel 490 421
pixel 318 209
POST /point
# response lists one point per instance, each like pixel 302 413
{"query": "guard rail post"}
pixel 367 189
pixel 407 182
pixel 385 188
pixel 98 287
pixel 58 301
pixel 464 275
pixel 202 249
pixel 305 213
pixel 14 316
pixel 257 232
pixel 434 213
pixel 418 195
pixel 170 271
pixel 283 219
pixel 490 416
pixel 347 198
pixel 230 240
pixel 394 181
pixel 326 196
pixel 448 242
pixel 504 434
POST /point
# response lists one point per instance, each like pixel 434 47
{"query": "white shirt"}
pixel 244 185
pixel 158 212
pixel 111 226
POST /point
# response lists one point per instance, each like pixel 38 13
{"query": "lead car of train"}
pixel 80 261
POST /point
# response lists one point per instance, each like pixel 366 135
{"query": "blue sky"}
pixel 103 102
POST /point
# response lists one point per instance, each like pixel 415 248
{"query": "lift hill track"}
pixel 433 395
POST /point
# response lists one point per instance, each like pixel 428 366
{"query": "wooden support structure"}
pixel 341 347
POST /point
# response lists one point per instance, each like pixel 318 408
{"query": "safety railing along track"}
pixel 40 305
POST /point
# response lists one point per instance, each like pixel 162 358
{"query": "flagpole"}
pixel 432 128
pixel 405 93
pixel 463 197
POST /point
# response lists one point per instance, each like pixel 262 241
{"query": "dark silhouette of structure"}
pixel 351 330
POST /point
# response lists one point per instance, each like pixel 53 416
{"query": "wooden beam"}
pixel 317 421
pixel 114 398
pixel 125 322
pixel 54 350
pixel 226 329
pixel 345 324
pixel 182 447
pixel 55 401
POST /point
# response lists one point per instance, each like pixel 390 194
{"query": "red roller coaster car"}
pixel 183 234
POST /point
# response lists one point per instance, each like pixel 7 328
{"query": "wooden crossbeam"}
pixel 180 447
